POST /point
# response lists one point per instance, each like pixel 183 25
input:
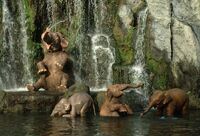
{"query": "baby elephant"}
pixel 79 103
pixel 170 102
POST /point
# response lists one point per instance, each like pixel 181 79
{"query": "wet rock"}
pixel 23 102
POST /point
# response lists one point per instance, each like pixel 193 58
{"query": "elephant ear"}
pixel 63 41
pixel 167 99
pixel 109 95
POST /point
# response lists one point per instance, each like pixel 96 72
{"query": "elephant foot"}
pixel 42 71
pixel 31 88
pixel 67 116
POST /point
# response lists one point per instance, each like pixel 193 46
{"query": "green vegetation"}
pixel 160 68
pixel 124 43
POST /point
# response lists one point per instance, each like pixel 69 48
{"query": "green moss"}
pixel 194 101
pixel 30 15
pixel 124 43
pixel 160 69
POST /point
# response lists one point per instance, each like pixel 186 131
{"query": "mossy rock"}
pixel 194 101
pixel 124 42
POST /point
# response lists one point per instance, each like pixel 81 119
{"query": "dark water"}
pixel 43 125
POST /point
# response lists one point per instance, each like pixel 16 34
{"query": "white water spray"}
pixel 137 70
pixel 14 69
pixel 102 51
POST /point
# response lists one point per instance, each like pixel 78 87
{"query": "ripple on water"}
pixel 43 125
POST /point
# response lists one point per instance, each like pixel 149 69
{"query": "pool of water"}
pixel 43 125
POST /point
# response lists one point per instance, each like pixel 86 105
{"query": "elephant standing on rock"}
pixel 56 69
pixel 170 102
pixel 80 103
pixel 112 106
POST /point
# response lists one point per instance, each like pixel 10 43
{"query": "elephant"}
pixel 56 69
pixel 170 102
pixel 80 103
pixel 112 106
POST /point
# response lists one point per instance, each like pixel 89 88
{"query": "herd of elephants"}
pixel 56 74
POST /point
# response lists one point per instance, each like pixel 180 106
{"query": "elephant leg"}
pixel 63 82
pixel 84 109
pixel 185 108
pixel 41 67
pixel 170 110
pixel 159 111
pixel 41 83
pixel 73 112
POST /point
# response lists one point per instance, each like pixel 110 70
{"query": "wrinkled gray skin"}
pixel 79 103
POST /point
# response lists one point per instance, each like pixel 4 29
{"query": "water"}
pixel 138 71
pixel 14 63
pixel 103 61
pixel 50 10
pixel 102 52
pixel 43 125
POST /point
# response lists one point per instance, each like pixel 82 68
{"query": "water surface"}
pixel 43 125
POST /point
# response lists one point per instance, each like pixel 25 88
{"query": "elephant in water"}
pixel 112 106
pixel 80 103
pixel 56 69
pixel 170 102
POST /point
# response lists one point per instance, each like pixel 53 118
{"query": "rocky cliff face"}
pixel 174 32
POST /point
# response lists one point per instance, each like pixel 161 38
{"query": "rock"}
pixel 23 102
pixel 135 100
pixel 125 15
pixel 43 101
pixel 185 44
pixel 187 11
pixel 160 12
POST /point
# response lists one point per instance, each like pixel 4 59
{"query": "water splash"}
pixel 137 71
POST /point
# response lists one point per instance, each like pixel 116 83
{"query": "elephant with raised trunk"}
pixel 170 102
pixel 56 69
pixel 112 105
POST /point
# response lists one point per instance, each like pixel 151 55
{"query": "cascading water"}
pixel 102 51
pixel 137 71
pixel 50 10
pixel 14 69
pixel 27 77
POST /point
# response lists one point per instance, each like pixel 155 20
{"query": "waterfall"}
pixel 14 69
pixel 137 71
pixel 27 77
pixel 7 75
pixel 103 61
pixel 50 10
pixel 102 52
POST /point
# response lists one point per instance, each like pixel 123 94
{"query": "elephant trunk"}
pixel 147 109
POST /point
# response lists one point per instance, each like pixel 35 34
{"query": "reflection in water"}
pixel 43 125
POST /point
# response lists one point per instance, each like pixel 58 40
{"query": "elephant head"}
pixel 61 108
pixel 117 90
pixel 157 100
pixel 53 41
